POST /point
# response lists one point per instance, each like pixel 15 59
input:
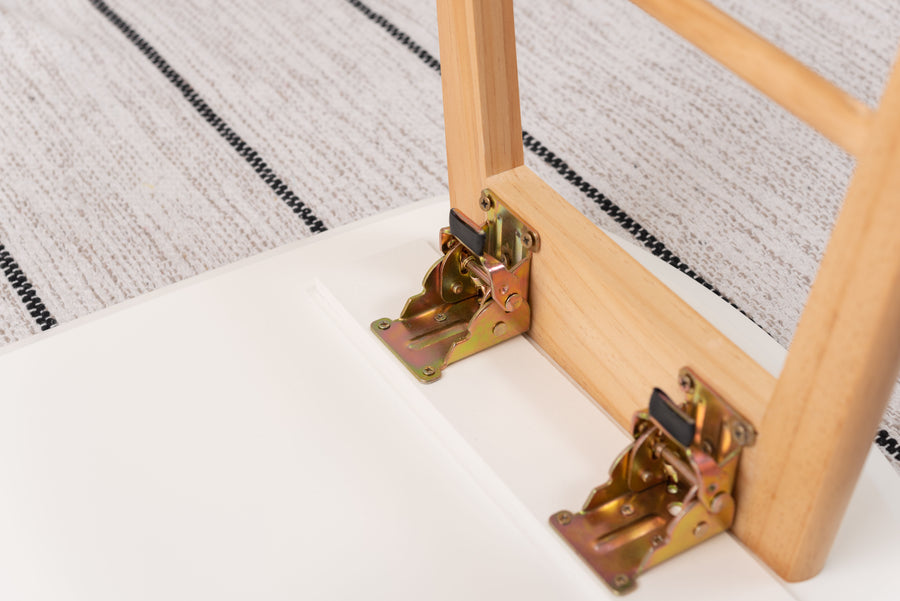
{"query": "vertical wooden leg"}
pixel 842 364
pixel 481 95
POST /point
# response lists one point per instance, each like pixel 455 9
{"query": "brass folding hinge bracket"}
pixel 671 489
pixel 475 296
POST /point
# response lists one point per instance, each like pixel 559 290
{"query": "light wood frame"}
pixel 619 332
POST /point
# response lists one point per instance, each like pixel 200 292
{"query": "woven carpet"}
pixel 147 142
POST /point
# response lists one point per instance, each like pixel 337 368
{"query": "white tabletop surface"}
pixel 243 435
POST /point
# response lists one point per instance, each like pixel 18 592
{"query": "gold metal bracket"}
pixel 475 296
pixel 668 491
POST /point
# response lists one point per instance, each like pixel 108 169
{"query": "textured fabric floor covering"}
pixel 115 181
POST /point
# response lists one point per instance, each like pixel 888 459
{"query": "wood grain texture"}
pixel 835 114
pixel 483 128
pixel 842 365
pixel 610 323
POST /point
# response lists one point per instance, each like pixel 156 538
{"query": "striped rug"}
pixel 146 142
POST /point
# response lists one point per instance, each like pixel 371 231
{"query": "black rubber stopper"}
pixel 673 420
pixel 461 228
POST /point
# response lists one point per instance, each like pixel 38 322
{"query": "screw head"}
pixel 428 370
pixel 657 540
pixel 456 288
pixel 440 317
pixel 384 324
pixel 700 529
pixel 627 509
pixel 718 502
pixel 486 203
pixel 513 302
pixel 739 432
pixel 621 581
pixel 563 518
pixel 528 239
pixel 687 383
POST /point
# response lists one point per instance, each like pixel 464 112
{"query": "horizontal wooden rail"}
pixel 610 323
pixel 834 113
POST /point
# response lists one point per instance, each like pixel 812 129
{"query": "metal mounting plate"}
pixel 668 491
pixel 470 300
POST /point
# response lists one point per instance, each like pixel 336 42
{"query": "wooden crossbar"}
pixel 833 112
pixel 619 332
pixel 609 322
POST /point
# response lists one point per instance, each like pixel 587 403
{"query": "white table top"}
pixel 243 434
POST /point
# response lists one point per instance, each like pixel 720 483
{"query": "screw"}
pixel 456 288
pixel 500 328
pixel 718 502
pixel 657 540
pixel 504 289
pixel 646 475
pixel 621 581
pixel 528 240
pixel 739 431
pixel 627 509
pixel 687 383
pixel 513 302
pixel 384 324
pixel 486 203
pixel 440 317
pixel 563 518
pixel 428 371
pixel 700 529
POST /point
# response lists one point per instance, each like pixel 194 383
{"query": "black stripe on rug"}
pixel 33 303
pixel 889 444
pixel 628 223
pixel 242 148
